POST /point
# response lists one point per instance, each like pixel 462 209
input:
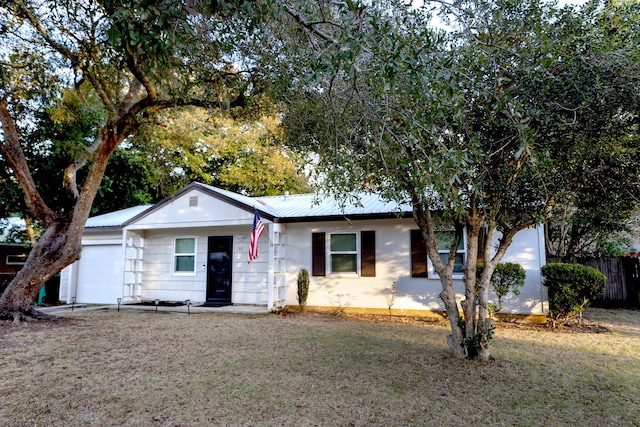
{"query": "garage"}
pixel 100 274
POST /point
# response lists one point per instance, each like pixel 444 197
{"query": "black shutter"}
pixel 418 254
pixel 368 254
pixel 318 254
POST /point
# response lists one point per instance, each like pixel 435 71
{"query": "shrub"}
pixel 507 277
pixel 571 287
pixel 390 295
pixel 303 288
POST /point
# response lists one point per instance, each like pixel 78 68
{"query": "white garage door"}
pixel 100 274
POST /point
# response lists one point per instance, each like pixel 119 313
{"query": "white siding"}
pixel 180 214
pixel 393 264
pixel 249 281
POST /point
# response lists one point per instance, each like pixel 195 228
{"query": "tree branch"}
pixel 14 156
pixel 306 24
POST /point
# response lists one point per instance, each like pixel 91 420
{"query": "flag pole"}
pixel 268 238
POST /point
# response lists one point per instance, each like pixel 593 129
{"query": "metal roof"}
pixel 285 208
pixel 117 218
pixel 302 207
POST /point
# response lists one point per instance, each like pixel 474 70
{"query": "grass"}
pixel 103 368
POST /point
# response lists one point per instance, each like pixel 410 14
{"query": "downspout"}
pixel 542 257
pixel 271 269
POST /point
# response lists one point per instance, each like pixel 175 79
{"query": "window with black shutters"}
pixel 420 266
pixel 344 253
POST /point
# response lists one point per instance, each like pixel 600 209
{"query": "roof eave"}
pixel 206 190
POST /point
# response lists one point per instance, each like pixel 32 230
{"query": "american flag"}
pixel 256 231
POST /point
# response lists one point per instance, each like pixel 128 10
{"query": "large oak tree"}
pixel 122 62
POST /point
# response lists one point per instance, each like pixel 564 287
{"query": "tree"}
pixel 134 58
pixel 479 128
pixel 238 152
pixel 598 217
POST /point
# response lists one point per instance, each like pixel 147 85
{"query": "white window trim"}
pixel 330 253
pixel 431 271
pixel 7 262
pixel 174 256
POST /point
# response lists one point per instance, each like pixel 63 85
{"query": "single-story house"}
pixel 194 246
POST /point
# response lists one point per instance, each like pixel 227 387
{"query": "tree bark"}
pixel 480 332
pixel 426 223
pixel 53 251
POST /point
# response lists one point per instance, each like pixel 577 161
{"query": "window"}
pixel 344 254
pixel 343 251
pixel 185 255
pixel 16 259
pixel 444 240
pixel 420 265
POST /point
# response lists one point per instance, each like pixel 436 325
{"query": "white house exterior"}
pixel 194 246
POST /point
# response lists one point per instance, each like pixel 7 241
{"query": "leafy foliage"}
pixel 571 288
pixel 303 288
pixel 241 154
pixel 80 78
pixel 507 277
pixel 487 125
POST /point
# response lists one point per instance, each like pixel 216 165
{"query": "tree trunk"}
pixel 56 249
pixel 60 244
pixel 426 223
pixel 478 325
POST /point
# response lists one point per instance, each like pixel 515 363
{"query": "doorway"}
pixel 219 274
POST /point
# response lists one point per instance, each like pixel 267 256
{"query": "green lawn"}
pixel 143 369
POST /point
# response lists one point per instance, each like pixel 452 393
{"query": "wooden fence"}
pixel 623 279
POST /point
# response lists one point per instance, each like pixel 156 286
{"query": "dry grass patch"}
pixel 105 368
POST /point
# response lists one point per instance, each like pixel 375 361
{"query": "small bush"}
pixel 571 288
pixel 303 288
pixel 390 295
pixel 507 277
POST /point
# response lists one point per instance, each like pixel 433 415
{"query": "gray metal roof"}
pixel 285 208
pixel 301 206
pixel 117 218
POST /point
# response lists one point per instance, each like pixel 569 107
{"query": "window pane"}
pixel 186 246
pixel 343 242
pixel 344 263
pixel 444 240
pixel 458 266
pixel 185 263
pixel 16 259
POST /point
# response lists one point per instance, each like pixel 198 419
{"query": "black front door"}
pixel 219 270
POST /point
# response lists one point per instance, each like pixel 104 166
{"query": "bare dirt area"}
pixel 104 368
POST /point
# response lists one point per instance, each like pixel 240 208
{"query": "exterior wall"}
pixel 393 264
pixel 207 213
pixel 528 250
pixel 249 281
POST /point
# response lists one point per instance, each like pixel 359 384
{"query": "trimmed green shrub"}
pixel 571 288
pixel 507 277
pixel 303 288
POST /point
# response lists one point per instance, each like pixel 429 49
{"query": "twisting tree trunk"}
pixel 53 251
pixel 60 244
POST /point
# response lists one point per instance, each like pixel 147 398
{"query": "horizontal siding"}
pixel 249 281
